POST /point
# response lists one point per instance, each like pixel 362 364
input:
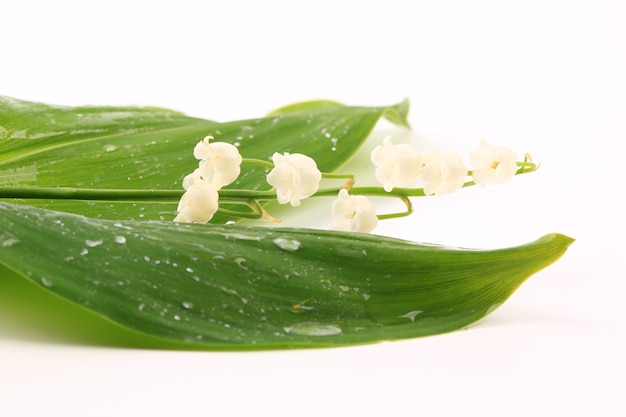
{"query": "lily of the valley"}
pixel 198 204
pixel 493 164
pixel 220 165
pixel 220 162
pixel 396 165
pixel 442 173
pixel 295 177
pixel 353 213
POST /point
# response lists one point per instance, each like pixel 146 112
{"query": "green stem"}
pixel 66 193
pixel 255 215
pixel 407 212
pixel 269 165
pixel 338 176
pixel 104 194
pixel 252 161
pixel 227 195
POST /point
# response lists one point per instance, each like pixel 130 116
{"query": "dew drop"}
pixel 287 244
pixel 84 252
pixel 46 282
pixel 8 240
pixel 109 148
pixel 334 141
pixel 120 239
pixel 241 262
pixel 177 318
pixel 410 315
pixel 93 243
pixel 188 305
pixel 313 329
pixel 120 225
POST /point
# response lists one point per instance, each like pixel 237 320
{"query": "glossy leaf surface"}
pixel 237 287
pixel 151 148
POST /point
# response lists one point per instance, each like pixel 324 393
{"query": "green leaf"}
pixel 305 106
pixel 237 287
pixel 151 149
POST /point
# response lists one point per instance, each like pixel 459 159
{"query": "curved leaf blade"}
pixel 149 148
pixel 235 287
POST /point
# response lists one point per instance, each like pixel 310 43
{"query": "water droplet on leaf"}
pixel 411 315
pixel 241 262
pixel 313 329
pixel 287 244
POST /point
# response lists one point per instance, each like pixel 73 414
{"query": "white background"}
pixel 545 77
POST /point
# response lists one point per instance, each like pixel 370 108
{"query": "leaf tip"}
pixel 399 113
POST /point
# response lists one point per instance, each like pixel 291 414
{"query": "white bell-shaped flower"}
pixel 396 165
pixel 192 178
pixel 295 177
pixel 198 204
pixel 353 213
pixel 493 164
pixel 442 173
pixel 220 162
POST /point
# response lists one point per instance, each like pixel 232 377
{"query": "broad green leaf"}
pixel 150 148
pixel 237 287
pixel 305 106
pixel 30 311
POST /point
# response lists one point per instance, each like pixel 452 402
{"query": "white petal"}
pixel 202 150
pixel 198 204
pixel 396 165
pixel 493 164
pixel 295 177
pixel 220 162
pixel 191 179
pixel 353 213
pixel 442 173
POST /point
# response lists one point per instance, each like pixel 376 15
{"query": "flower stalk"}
pixel 294 177
pixel 230 195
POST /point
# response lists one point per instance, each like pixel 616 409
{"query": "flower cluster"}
pixel 220 165
pixel 441 172
pixel 294 177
